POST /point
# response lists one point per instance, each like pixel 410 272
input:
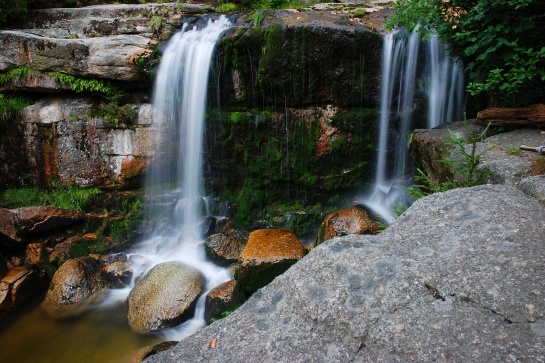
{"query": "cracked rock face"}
pixel 458 277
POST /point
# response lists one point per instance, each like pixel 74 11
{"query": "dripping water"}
pixel 407 77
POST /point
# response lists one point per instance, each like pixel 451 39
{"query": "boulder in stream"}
pixel 76 284
pixel 354 220
pixel 225 248
pixel 164 297
pixel 268 253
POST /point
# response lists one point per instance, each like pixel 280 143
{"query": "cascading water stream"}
pixel 179 107
pixel 400 110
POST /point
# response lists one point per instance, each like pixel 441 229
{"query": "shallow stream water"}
pixel 102 335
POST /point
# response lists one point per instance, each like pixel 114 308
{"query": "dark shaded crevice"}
pixel 477 305
pixel 363 340
pixel 434 292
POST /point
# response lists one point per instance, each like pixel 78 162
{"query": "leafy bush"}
pixel 500 41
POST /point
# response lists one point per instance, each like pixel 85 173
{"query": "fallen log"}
pixel 533 115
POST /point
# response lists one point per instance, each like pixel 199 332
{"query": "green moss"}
pixel 267 161
pixel 317 72
pixel 67 197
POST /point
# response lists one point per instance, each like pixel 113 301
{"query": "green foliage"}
pixel 67 197
pixel 227 8
pixel 157 23
pixel 11 107
pixel 358 12
pixel 466 173
pixel 465 170
pixel 79 85
pixel 257 18
pixel 513 150
pixel 114 114
pixel 131 215
pixel 501 43
pixel 19 72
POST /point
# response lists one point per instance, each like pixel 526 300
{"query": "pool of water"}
pixel 101 335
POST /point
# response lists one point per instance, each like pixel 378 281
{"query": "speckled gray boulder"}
pixel 458 277
pixel 164 297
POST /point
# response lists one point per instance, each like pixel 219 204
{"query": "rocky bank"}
pixel 458 277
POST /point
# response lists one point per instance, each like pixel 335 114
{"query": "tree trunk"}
pixel 525 116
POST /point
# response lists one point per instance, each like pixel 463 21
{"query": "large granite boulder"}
pixel 19 285
pixel 354 220
pixel 164 297
pixel 225 248
pixel 74 286
pixel 458 277
pixel 268 253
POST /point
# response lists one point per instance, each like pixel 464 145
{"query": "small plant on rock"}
pixel 466 173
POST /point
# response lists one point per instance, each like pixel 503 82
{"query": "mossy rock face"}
pixel 164 297
pixel 269 253
pixel 292 61
pixel 302 156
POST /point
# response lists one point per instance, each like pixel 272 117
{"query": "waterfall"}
pixel 176 175
pixel 404 82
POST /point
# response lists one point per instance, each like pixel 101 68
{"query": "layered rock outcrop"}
pixel 466 284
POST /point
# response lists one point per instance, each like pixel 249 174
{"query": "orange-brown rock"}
pixel 43 219
pixel 354 220
pixel 62 251
pixel 268 253
pixel 222 298
pixel 19 285
pixel 36 253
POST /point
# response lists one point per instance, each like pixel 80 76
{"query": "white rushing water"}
pixel 439 80
pixel 176 175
